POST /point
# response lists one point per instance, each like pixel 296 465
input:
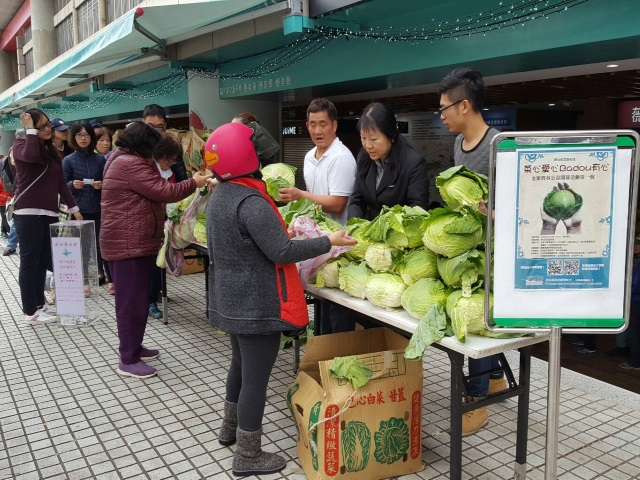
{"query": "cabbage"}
pixel 277 176
pixel 175 210
pixel 467 313
pixel 431 328
pixel 418 298
pixel 355 229
pixel 328 275
pixel 356 445
pixel 200 228
pixel 452 233
pixel 417 264
pixel 380 257
pixel 385 290
pixel 397 226
pixel 562 204
pixel 461 187
pixel 294 209
pixel 351 369
pixel 465 271
pixel 353 278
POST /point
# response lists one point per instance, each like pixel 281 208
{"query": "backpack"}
pixel 6 176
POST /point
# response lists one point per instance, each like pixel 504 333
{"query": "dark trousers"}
pixel 131 279
pixel 35 258
pixel 5 225
pixel 478 387
pixel 155 283
pixel 634 335
pixel 252 360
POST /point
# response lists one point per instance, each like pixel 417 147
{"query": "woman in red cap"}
pixel 255 292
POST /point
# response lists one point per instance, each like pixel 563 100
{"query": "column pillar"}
pixel 45 47
pixel 6 71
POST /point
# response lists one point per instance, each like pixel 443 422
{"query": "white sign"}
pixel 67 270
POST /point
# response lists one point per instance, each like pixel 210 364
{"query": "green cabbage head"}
pixel 328 274
pixel 355 229
pixel 562 204
pixel 467 313
pixel 451 233
pixel 353 279
pixel 381 257
pixel 277 176
pixel 418 298
pixel 385 290
pixel 461 187
pixel 417 264
pixel 465 271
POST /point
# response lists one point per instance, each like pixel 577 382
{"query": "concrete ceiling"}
pixel 8 9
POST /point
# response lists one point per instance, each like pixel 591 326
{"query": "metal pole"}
pixel 553 405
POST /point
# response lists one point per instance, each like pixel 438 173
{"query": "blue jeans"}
pixel 478 387
pixel 13 236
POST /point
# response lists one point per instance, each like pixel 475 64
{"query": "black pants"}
pixel 5 225
pixel 35 258
pixel 155 283
pixel 252 360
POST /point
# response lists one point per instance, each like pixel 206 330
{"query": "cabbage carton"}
pixel 371 434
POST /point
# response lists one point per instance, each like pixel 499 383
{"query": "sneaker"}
pixel 148 354
pixel 39 318
pixel 8 251
pixel 49 310
pixel 617 352
pixel 4 235
pixel 626 366
pixel 154 311
pixel 87 291
pixel 497 385
pixel 136 370
pixel 111 289
pixel 583 349
pixel 474 420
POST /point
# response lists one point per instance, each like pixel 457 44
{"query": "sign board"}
pixel 68 275
pixel 564 220
pixel 629 114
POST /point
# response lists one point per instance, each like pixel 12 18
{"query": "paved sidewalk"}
pixel 66 414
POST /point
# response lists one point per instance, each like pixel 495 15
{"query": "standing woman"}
pixel 39 182
pixel 254 288
pixel 133 198
pixel 389 171
pixel 104 139
pixel 60 136
pixel 83 173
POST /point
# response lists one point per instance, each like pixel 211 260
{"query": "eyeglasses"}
pixel 160 127
pixel 83 135
pixel 443 109
pixel 44 127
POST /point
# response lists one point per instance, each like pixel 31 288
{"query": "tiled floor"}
pixel 66 414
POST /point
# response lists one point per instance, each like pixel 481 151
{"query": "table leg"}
pixel 520 467
pixel 455 433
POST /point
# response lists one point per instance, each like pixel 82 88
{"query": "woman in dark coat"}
pixel 389 171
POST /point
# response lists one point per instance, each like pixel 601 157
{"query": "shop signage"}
pixel 629 114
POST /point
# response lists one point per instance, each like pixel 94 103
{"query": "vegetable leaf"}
pixel 352 369
pixel 431 329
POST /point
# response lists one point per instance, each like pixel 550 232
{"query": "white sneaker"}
pixel 39 318
pixel 49 310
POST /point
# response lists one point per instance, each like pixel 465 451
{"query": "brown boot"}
pixel 497 385
pixel 474 420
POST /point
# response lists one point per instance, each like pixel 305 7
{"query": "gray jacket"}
pixel 248 288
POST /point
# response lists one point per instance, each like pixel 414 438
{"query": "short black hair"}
pixel 323 105
pixel 154 110
pixel 75 129
pixel 463 83
pixel 139 138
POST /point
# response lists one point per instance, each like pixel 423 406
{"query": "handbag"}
pixel 11 205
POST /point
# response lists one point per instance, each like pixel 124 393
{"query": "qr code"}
pixel 571 267
pixel 554 267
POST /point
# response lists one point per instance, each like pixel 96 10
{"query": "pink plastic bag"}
pixel 304 228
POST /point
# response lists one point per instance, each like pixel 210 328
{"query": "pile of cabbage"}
pixel 432 263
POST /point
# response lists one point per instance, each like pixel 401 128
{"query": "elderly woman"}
pixel 133 198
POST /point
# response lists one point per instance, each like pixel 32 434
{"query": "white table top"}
pixel 476 346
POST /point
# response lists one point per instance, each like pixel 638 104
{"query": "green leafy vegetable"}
pixel 562 204
pixel 397 226
pixel 432 328
pixel 294 209
pixel 381 257
pixel 419 297
pixel 200 228
pixel 175 210
pixel 355 229
pixel 461 187
pixel 385 290
pixel 465 271
pixel 417 264
pixel 356 446
pixel 451 233
pixel 353 279
pixel 467 313
pixel 392 440
pixel 352 369
pixel 277 176
pixel 328 274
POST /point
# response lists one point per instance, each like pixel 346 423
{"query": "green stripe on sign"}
pixel 562 322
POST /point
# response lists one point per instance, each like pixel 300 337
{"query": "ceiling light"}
pixel 613 65
pixel 485 109
pixel 552 104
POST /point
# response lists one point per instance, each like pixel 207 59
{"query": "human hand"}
pixel 290 194
pixel 26 120
pixel 339 239
pixel 574 223
pixel 78 184
pixel 78 216
pixel 201 178
pixel 549 223
pixel 213 183
pixel 97 184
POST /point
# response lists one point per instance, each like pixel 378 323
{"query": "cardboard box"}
pixel 373 434
pixel 193 265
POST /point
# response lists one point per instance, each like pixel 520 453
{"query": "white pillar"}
pixel 6 71
pixel 43 34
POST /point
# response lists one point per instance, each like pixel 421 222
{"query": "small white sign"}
pixel 67 270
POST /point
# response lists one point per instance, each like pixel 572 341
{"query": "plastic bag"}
pixel 304 228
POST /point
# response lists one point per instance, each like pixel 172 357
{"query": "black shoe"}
pixel 8 251
pixel 617 352
pixel 583 349
pixel 627 366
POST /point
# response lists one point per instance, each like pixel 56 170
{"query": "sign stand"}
pixel 565 212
